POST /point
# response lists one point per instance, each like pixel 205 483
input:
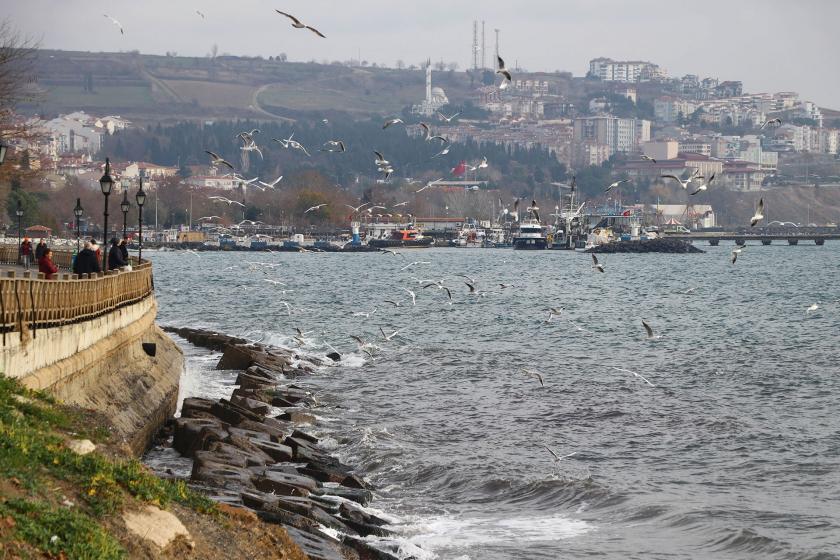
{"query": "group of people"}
pixel 86 262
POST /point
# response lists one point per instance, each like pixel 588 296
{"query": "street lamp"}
pixel 125 206
pixel 77 211
pixel 141 200
pixel 106 183
pixel 19 214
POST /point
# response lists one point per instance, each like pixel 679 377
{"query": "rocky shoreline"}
pixel 660 245
pixel 246 454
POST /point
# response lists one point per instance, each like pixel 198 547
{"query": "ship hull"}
pixel 530 243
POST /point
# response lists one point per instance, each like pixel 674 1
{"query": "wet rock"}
pixel 268 428
pixel 254 406
pixel 334 356
pixel 269 375
pixel 298 417
pixel 220 475
pixel 232 414
pixel 191 434
pixel 354 481
pixel 352 511
pixel 357 495
pixel 250 382
pixel 236 357
pixel 283 484
pixel 277 451
pixel 366 550
pixel 193 405
pixel 660 245
pixel 244 431
pixel 314 546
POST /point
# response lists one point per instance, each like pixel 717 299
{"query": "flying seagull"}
pixel 639 375
pixel 552 311
pixel 596 265
pixel 535 374
pixel 648 158
pixel 115 22
pixel 735 252
pixel 556 456
pixel 272 184
pixel 388 337
pixel 771 121
pixel 334 146
pixel 447 119
pixel 648 330
pixel 217 159
pixel 225 200
pixel 504 72
pixel 296 23
pixel 202 15
pixel 443 152
pixel 356 209
pixel 483 164
pixel 813 308
pixel 389 122
pixel 759 213
pixel 705 185
pixel 412 294
pixel 616 184
pixel 313 208
pixel 683 184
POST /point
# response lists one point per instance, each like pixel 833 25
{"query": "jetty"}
pixel 764 235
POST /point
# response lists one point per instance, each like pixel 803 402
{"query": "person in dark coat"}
pixel 124 249
pixel 46 265
pixel 26 252
pixel 115 256
pixel 86 261
pixel 40 249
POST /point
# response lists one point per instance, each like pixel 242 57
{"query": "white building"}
pixel 668 109
pixel 628 71
pixel 435 98
pixel 621 135
pixel 70 135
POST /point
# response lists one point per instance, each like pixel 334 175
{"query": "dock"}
pixel 816 235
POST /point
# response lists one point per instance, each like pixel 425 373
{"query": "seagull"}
pixel 273 282
pixel 759 213
pixel 295 145
pixel 359 340
pixel 771 121
pixel 483 164
pixel 735 252
pixel 366 314
pixel 813 308
pixel 252 147
pixel 390 122
pixel 556 456
pixel 217 159
pixel 428 131
pixel 380 159
pixel 705 185
pixel 596 265
pixel 504 72
pixel 248 137
pixel 534 209
pixel 443 152
pixel 272 184
pixel 468 277
pixel 201 219
pixel 391 251
pixel 617 183
pixel 288 307
pixel 552 311
pixel 412 294
pixel 429 185
pixel 392 302
pixel 225 200
pixel 415 263
pixel 296 23
pixel 194 252
pixel 372 208
pixel 648 330
pixel 313 208
pixel 115 22
pixel 388 337
pixel 471 287
pixel 648 158
pixel 639 375
pixel 356 209
pixel 202 15
pixel 447 119
pixel 535 374
pixel 400 204
pixel 683 184
pixel 334 146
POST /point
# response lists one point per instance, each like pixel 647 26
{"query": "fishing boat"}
pixel 531 235
pixel 406 237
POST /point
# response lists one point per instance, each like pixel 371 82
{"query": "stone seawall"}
pixel 102 364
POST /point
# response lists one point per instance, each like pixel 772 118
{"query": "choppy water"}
pixel 733 453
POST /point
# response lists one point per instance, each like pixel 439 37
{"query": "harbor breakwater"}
pixel 250 450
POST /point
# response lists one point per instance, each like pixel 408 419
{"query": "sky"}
pixel 770 45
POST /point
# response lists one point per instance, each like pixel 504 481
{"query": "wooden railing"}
pixel 28 302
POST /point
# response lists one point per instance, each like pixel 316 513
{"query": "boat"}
pixel 406 237
pixel 531 236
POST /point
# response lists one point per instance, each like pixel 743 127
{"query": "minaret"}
pixel 429 82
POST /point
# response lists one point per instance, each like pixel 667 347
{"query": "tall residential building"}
pixel 621 135
pixel 668 109
pixel 629 71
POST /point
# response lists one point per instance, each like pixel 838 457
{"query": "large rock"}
pixel 192 434
pixel 232 414
pixel 314 546
pixel 238 356
pixel 156 526
pixel 193 406
pixel 220 475
pixel 81 446
pixel 254 406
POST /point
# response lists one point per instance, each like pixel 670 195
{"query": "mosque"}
pixel 435 97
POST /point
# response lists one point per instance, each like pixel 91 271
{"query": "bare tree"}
pixel 17 57
pixel 400 64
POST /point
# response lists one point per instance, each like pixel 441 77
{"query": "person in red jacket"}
pixel 26 252
pixel 46 265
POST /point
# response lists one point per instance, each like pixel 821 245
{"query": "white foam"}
pixel 445 532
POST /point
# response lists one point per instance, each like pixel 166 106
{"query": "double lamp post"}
pixel 106 183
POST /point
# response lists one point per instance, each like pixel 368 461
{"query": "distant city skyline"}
pixel 771 45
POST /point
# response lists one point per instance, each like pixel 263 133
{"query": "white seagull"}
pixel 217 159
pixel 556 456
pixel 447 119
pixel 596 265
pixel 390 122
pixel 617 183
pixel 683 184
pixel 759 213
pixel 813 308
pixel 334 146
pixel 313 208
pixel 225 200
pixel 297 24
pixel 115 22
pixel 412 294
pixel 504 72
pixel 705 185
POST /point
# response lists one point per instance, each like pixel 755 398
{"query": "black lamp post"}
pixel 78 211
pixel 141 200
pixel 125 206
pixel 19 214
pixel 106 183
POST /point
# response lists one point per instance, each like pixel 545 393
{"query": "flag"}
pixel 628 213
pixel 460 169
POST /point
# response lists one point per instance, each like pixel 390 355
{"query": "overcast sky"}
pixel 770 45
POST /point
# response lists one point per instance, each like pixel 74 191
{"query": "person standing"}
pixel 124 249
pixel 96 249
pixel 40 249
pixel 26 252
pixel 86 261
pixel 115 256
pixel 46 265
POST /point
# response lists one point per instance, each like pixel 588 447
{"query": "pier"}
pixel 793 236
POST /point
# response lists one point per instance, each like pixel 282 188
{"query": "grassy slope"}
pixel 56 503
